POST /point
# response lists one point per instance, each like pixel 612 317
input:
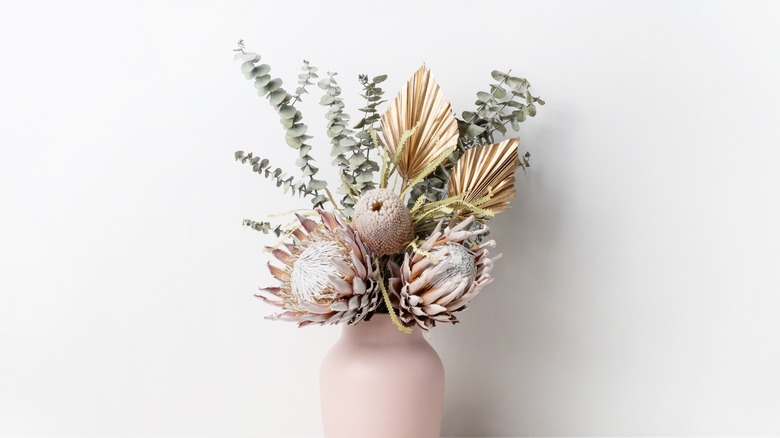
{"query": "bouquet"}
pixel 404 231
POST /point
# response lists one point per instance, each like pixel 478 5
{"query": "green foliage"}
pixel 434 186
pixel 430 168
pixel 264 227
pixel 508 103
pixel 373 95
pixel 290 117
pixel 263 167
pixel 353 162
pixel 305 79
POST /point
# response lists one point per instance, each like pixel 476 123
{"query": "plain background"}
pixel 638 293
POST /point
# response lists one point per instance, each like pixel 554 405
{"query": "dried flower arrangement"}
pixel 414 249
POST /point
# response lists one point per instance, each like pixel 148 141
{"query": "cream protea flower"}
pixel 328 276
pixel 430 289
pixel 383 222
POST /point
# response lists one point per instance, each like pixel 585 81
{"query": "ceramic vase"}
pixel 377 382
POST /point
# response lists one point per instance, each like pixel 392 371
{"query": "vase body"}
pixel 377 382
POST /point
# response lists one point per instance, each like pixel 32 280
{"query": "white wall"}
pixel 639 290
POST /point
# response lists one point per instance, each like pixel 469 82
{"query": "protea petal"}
pixel 341 286
pixel 308 224
pixel 344 268
pixel 277 272
pixel 282 256
pixel 358 287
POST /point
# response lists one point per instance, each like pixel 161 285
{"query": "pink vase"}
pixel 377 382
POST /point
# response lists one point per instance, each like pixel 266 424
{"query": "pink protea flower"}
pixel 327 276
pixel 430 288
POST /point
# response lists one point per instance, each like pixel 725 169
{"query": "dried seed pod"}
pixel 383 222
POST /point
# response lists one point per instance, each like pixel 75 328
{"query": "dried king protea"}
pixel 431 288
pixel 328 276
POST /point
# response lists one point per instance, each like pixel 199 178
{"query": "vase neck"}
pixel 380 329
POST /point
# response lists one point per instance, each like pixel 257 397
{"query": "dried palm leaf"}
pixel 419 102
pixel 487 167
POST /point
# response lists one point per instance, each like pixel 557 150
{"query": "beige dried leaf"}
pixel 487 166
pixel 419 101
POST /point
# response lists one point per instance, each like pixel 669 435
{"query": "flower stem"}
pixel 389 305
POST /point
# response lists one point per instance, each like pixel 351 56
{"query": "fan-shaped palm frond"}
pixel 420 103
pixel 487 167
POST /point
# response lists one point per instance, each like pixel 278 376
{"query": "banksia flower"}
pixel 441 277
pixel 328 276
pixel 383 222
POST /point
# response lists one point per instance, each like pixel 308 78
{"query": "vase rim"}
pixel 379 329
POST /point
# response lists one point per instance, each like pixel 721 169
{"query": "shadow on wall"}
pixel 507 335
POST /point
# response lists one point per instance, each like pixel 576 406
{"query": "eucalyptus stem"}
pixel 492 94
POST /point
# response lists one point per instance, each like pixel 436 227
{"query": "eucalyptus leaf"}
pixel 364 177
pixel 347 142
pixel 316 184
pixel 247 67
pixel 319 199
pixel 340 160
pixel 287 111
pixel 484 97
pixel 498 92
pixel 262 81
pixel 294 142
pixel 274 85
pixel 297 130
pixel 474 130
pixel 250 57
pixel 263 69
pixel 277 97
pixel 497 75
pixel 357 160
